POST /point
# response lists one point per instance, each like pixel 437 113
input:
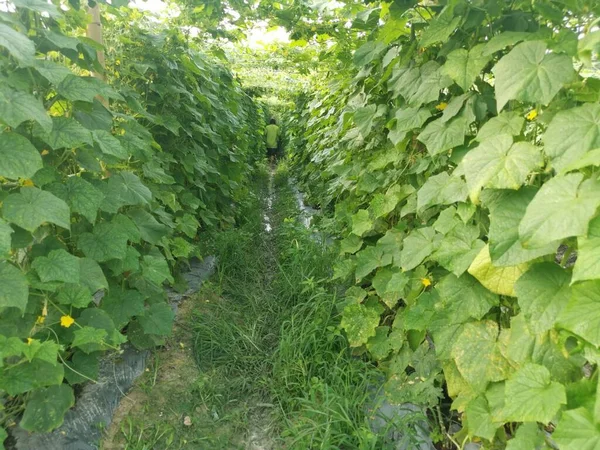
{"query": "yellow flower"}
pixel 29 341
pixel 531 114
pixel 66 321
pixel 40 320
pixel 27 182
pixel 441 106
pixel 426 282
pixel 45 152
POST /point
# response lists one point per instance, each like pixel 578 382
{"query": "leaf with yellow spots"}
pixel 500 280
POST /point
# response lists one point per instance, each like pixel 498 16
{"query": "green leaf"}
pixel 527 437
pixel 418 245
pixel 361 222
pixel 350 244
pixel 543 292
pixel 369 259
pixel 500 280
pixel 18 45
pixel 80 195
pixel 360 323
pixel 108 144
pixel 32 207
pixel 150 229
pixel 84 364
pixel 441 189
pixel 381 205
pixel 407 119
pixel 5 238
pixel 17 107
pixel 130 189
pixel 91 275
pixel 531 396
pixel 571 134
pixel 46 408
pixel 107 241
pixel 419 85
pixel 577 430
pixel 18 158
pixel 85 336
pixel 440 28
pixel 582 313
pixel 507 208
pixel 365 117
pixel 530 74
pixel 39 6
pixel 99 319
pixel 25 377
pixel 587 266
pixel 476 352
pixel 459 248
pixel 508 122
pixel 464 66
pixel 85 89
pixel 503 40
pixel 439 136
pixel 499 163
pixel 66 133
pixel 188 225
pixel 389 284
pixel 122 305
pixel 466 296
pixel 367 52
pixel 59 265
pixel 479 420
pixel 158 319
pixel 563 207
pixel 52 71
pixel 384 342
pixel 74 294
pixel 155 269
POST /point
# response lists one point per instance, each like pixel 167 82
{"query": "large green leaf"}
pixel 479 419
pixel 582 313
pixel 577 430
pixel 59 265
pixel 150 229
pixel 441 189
pixel 27 376
pixel 89 339
pixel 109 144
pixel 440 28
pixel 476 352
pixel 507 208
pixel 361 222
pixel 562 208
pixel 85 89
pixel 499 163
pixel 459 248
pixel 587 266
pixel 365 117
pixel 17 44
pixel 532 396
pixel 67 133
pixel 418 245
pixel 52 71
pixel 527 437
pixel 76 295
pixel 158 319
pixel 439 136
pixel 419 85
pixel 130 189
pixel 17 107
pixel 46 408
pixel 14 289
pixel 107 241
pixel 155 269
pixel 91 275
pixel 369 259
pixel 80 195
pixel 508 122
pixel 466 296
pixel 122 305
pixel 543 292
pixel 407 119
pixel 530 74
pixel 6 232
pixel 464 66
pixel 18 157
pixel 389 283
pixel 360 323
pixel 32 207
pixel 571 134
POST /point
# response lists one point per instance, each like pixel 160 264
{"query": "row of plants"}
pixel 105 188
pixel 457 161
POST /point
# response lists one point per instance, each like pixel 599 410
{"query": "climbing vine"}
pixel 457 161
pixel 105 187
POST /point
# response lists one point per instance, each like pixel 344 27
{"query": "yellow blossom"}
pixel 441 106
pixel 66 321
pixel 27 182
pixel 45 152
pixel 29 341
pixel 531 114
pixel 426 282
pixel 40 320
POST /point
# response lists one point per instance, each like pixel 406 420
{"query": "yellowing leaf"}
pixel 500 280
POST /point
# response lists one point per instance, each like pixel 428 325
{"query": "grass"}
pixel 267 365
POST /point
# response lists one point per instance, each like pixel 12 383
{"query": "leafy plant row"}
pixel 458 163
pixel 102 205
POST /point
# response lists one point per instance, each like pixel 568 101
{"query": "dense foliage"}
pixel 101 205
pixel 458 162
